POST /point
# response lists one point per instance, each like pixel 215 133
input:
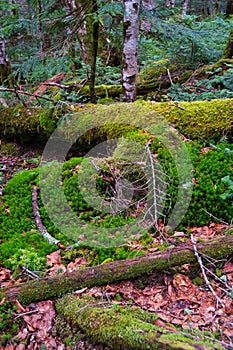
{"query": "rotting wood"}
pixel 58 285
pixel 124 327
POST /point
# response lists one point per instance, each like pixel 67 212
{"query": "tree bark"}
pixel 228 51
pixel 170 4
pixel 229 8
pixel 95 38
pixel 5 67
pixel 185 7
pixel 147 22
pixel 57 286
pixel 127 328
pixel 130 50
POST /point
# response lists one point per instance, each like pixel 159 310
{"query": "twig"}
pixel 203 271
pixel 102 303
pixel 169 76
pixel 30 273
pixel 94 304
pixel 212 216
pixel 21 92
pixel 26 313
pixel 66 87
pixel 38 220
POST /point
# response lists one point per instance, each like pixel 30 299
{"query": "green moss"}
pixel 124 327
pixel 204 120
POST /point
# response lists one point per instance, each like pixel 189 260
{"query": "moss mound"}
pixel 18 232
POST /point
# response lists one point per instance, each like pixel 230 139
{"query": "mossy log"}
pixel 128 328
pixel 206 120
pixel 165 260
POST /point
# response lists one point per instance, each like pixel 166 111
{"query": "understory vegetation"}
pixel 88 178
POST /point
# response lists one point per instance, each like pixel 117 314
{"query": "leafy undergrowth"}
pixel 181 298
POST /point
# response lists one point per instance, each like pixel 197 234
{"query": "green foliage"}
pixel 229 190
pixel 218 84
pixel 208 202
pixel 27 258
pixel 185 41
pixel 8 325
pixel 17 232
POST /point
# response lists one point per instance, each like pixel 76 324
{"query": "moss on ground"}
pixel 122 327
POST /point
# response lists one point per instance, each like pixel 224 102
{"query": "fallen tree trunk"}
pixel 127 327
pixel 119 270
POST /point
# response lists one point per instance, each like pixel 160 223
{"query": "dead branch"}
pixel 21 92
pixel 42 87
pixel 165 260
pixel 39 223
pixel 199 259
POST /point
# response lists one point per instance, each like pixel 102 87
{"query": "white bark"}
pixel 148 4
pixel 185 7
pixel 146 22
pixel 130 50
pixel 4 61
pixel 170 3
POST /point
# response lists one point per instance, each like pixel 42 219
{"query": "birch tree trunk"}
pixel 5 67
pixel 147 22
pixel 130 50
pixel 170 4
pixel 185 7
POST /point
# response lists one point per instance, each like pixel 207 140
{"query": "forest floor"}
pixel 181 298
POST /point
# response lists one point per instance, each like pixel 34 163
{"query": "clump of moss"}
pixel 8 325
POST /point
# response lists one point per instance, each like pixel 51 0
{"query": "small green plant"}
pixel 27 258
pixel 228 194
pixel 8 325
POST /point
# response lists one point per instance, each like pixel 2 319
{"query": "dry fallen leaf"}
pixel 54 258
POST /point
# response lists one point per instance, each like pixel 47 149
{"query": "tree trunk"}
pixel 127 327
pixel 164 260
pixel 170 4
pixel 95 38
pixel 147 22
pixel 229 8
pixel 130 50
pixel 228 51
pixel 5 67
pixel 185 7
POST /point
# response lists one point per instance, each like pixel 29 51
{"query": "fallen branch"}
pixel 58 285
pixel 69 87
pixel 21 92
pixel 38 220
pixel 199 259
pixel 42 87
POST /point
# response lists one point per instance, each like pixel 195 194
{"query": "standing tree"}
pixel 95 38
pixel 185 7
pixel 228 51
pixel 130 50
pixel 229 8
pixel 5 67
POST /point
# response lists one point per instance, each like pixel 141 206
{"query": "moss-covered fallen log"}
pixel 127 327
pixel 165 260
pixel 206 120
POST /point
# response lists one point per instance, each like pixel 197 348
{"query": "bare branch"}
pixel 21 92
pixel 199 259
